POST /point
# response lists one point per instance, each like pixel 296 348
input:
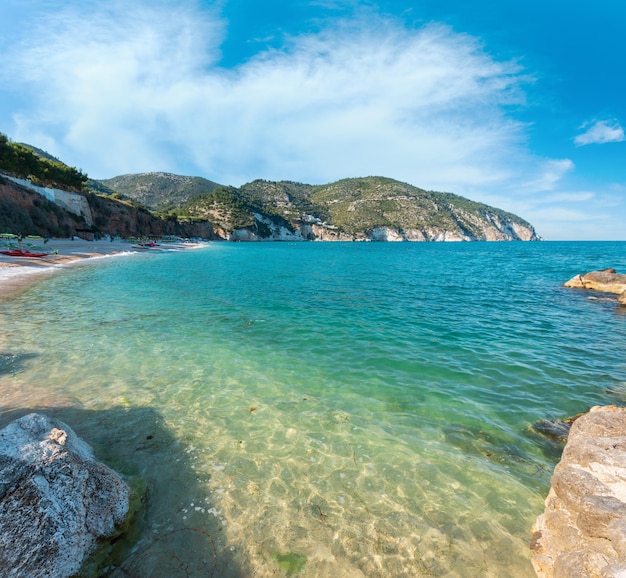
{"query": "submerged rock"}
pixel 555 429
pixel 582 531
pixel 606 280
pixel 56 501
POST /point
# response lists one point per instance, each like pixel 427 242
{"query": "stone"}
pixel 606 280
pixel 555 429
pixel 582 531
pixel 56 500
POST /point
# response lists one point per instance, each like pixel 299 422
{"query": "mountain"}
pixel 379 208
pixel 41 153
pixel 155 191
pixel 40 195
pixel 355 209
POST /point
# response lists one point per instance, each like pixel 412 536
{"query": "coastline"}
pixel 16 273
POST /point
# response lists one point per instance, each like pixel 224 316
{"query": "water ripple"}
pixel 364 405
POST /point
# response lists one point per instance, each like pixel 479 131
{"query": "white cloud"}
pixel 573 197
pixel 570 216
pixel 566 224
pixel 131 89
pixel 548 173
pixel 600 132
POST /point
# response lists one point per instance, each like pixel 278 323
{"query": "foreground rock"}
pixel 606 280
pixel 582 532
pixel 56 501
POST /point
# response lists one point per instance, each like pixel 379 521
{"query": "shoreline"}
pixel 17 273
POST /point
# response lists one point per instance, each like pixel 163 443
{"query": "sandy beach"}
pixel 17 272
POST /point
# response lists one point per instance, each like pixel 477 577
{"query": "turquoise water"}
pixel 337 409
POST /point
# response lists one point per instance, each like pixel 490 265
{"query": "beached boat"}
pixel 146 245
pixel 22 253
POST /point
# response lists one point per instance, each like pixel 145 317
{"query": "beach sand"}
pixel 18 272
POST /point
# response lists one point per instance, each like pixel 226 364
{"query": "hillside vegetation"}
pixel 356 208
pixel 24 210
pixel 369 208
pixel 41 169
pixel 359 205
pixel 159 192
pixel 352 207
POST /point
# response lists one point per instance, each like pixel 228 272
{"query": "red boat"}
pixel 22 253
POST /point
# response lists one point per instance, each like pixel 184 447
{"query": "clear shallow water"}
pixel 366 406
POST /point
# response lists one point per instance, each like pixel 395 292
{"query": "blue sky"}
pixel 521 105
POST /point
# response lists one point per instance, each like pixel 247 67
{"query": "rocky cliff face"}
pixel 271 231
pixel 582 532
pixel 118 218
pixel 55 213
pixel 75 203
pixel 28 213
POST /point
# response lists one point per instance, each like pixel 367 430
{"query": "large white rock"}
pixel 56 501
pixel 582 532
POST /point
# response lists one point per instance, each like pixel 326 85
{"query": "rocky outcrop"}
pixel 582 532
pixel 72 202
pixel 556 430
pixel 265 229
pixel 24 211
pixel 56 501
pixel 606 280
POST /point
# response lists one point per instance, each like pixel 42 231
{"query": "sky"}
pixel 520 105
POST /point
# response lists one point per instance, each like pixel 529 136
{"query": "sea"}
pixel 321 409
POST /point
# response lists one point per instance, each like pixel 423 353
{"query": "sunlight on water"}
pixel 327 410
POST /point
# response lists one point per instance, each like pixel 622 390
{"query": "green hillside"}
pixel 223 206
pixel 42 169
pixel 353 208
pixel 361 204
pixel 368 208
pixel 157 191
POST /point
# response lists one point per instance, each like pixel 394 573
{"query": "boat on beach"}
pixel 146 245
pixel 22 253
pixel 16 249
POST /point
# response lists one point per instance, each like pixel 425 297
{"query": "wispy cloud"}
pixel 600 132
pixel 548 173
pixel 130 89
pixel 574 197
